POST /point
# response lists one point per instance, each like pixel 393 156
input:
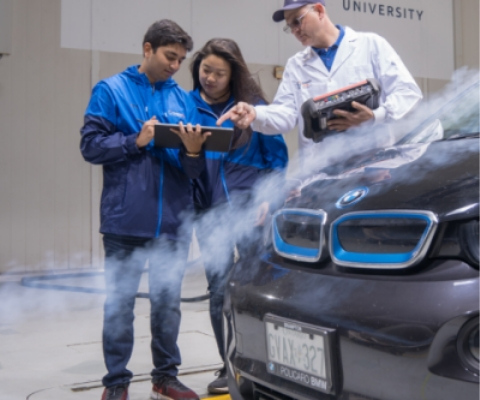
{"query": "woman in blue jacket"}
pixel 221 78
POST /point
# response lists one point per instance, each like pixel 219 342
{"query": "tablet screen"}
pixel 220 140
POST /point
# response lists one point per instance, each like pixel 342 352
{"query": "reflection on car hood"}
pixel 380 159
pixel 441 177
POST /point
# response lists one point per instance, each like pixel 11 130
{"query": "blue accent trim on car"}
pixel 369 258
pixel 297 252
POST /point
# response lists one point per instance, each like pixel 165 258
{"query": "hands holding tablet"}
pixel 210 138
pixel 193 140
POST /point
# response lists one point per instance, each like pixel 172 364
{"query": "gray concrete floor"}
pixel 50 341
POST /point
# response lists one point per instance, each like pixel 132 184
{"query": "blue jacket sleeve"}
pixel 274 151
pixel 101 143
pixel 275 156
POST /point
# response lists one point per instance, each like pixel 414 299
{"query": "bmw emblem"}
pixel 352 197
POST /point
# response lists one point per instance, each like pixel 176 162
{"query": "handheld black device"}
pixel 316 112
pixel 220 139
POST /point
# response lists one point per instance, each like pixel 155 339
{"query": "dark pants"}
pixel 125 259
pixel 218 261
pixel 217 274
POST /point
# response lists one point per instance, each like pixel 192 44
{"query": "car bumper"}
pixel 393 336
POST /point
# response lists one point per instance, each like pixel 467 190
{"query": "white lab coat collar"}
pixel 345 50
pixel 312 59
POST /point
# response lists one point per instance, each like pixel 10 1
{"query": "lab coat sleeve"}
pixel 281 115
pixel 400 92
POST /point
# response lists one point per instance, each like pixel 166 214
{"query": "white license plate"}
pixel 299 352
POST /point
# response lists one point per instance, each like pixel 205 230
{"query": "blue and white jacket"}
pixel 239 169
pixel 144 194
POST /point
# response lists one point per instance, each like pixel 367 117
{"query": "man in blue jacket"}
pixel 144 195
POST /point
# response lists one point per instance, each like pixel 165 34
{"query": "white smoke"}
pixel 223 226
pixel 227 225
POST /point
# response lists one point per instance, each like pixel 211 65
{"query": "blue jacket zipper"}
pixel 160 201
pixel 222 167
pixel 224 181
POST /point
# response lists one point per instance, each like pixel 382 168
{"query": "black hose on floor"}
pixel 38 283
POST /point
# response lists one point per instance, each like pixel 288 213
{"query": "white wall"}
pixel 49 196
pixel 421 31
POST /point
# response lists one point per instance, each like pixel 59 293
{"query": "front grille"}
pixel 298 234
pixel 388 239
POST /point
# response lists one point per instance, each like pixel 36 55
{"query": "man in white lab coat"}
pixel 335 56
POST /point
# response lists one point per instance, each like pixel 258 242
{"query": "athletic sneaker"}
pixel 219 385
pixel 119 392
pixel 170 388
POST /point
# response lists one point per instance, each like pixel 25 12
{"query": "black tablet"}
pixel 220 140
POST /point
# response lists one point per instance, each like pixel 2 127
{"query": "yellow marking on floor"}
pixel 220 397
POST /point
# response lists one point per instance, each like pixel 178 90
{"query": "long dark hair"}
pixel 243 85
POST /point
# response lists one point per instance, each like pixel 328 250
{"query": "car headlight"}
pixel 459 239
pixel 467 345
pixel 469 240
pixel 473 344
pixel 298 234
pixel 389 239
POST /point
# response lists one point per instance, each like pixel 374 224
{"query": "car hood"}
pixel 441 177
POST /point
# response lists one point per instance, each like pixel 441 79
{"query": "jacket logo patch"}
pixel 176 114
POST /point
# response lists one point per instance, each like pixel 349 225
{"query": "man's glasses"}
pixel 296 23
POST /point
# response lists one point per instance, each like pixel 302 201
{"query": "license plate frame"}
pixel 323 382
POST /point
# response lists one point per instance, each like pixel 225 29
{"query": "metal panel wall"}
pixel 44 183
pixel 467 33
pixel 6 7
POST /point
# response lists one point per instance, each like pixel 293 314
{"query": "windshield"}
pixel 458 118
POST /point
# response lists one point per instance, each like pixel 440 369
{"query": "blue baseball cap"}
pixel 291 5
